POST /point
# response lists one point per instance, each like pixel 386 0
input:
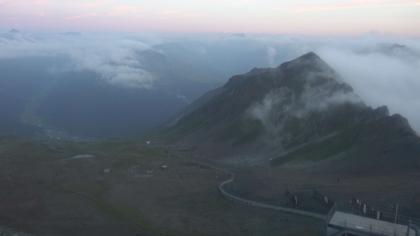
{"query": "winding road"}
pixel 390 227
pixel 252 203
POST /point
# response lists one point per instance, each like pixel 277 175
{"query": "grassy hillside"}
pixel 123 188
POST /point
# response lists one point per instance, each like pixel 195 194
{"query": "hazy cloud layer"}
pixel 113 58
pixel 387 75
pixel 383 70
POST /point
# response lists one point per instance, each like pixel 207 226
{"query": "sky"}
pixel 314 17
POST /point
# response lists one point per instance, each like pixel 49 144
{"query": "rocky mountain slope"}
pixel 300 112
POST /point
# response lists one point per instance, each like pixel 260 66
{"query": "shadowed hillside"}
pixel 300 112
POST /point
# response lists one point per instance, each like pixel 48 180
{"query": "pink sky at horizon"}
pixel 346 17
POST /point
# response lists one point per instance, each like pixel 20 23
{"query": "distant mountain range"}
pixel 42 94
pixel 46 88
pixel 300 112
pixel 393 50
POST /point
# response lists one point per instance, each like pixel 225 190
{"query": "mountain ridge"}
pixel 268 112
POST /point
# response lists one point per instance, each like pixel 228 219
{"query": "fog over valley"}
pixel 114 84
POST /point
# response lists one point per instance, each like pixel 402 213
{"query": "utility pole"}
pixel 396 213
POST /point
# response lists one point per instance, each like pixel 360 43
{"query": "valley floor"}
pixel 124 188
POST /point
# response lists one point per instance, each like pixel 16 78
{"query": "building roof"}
pixel 368 225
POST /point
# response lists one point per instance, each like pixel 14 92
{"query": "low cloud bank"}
pixel 382 70
pixel 383 74
pixel 113 58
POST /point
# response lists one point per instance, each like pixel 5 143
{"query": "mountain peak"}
pixel 309 56
pixel 301 108
pixel 309 62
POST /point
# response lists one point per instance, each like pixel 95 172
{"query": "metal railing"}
pixel 264 205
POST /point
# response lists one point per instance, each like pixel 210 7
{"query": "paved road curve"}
pixel 239 199
pixel 264 205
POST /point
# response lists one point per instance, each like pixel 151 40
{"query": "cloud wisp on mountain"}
pixel 383 70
